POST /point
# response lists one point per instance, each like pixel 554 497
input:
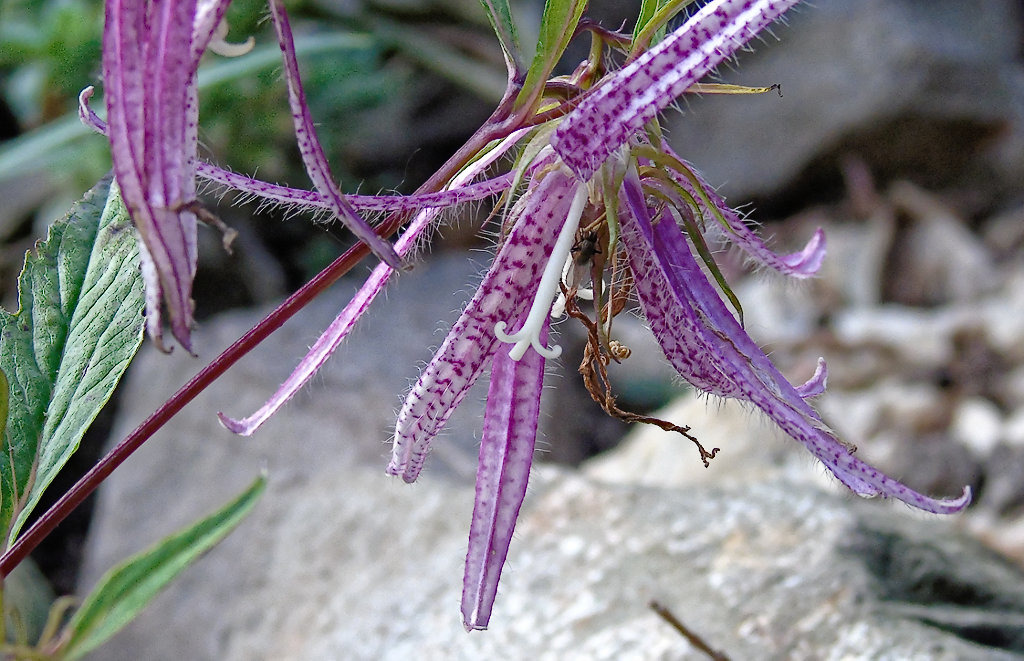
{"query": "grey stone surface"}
pixel 341 562
pixel 349 566
pixel 929 90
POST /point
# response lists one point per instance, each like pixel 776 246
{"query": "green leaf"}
pixel 78 325
pixel 126 589
pixel 557 26
pixel 500 16
pixel 652 21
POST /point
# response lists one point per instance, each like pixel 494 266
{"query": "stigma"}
pixel 529 335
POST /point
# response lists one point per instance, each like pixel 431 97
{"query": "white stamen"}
pixel 529 335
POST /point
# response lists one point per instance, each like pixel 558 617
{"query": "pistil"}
pixel 529 335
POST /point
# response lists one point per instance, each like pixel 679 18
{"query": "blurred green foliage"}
pixel 47 48
pixel 390 104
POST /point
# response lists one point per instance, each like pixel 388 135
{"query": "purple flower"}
pixel 600 189
pixel 699 335
pixel 151 53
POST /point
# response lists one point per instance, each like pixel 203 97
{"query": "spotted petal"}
pixel 660 254
pixel 506 454
pixel 631 97
pixel 677 327
pixel 459 191
pixel 312 152
pixel 800 264
pixel 504 294
pixel 149 55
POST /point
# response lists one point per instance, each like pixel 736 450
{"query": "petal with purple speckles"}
pixel 662 250
pixel 504 294
pixel 802 264
pixel 506 454
pixel 312 152
pixel 150 55
pixel 631 97
pixel 676 326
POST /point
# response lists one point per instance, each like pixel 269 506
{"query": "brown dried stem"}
pixel 594 369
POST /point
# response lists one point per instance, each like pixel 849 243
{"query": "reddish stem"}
pixel 497 126
pixel 91 480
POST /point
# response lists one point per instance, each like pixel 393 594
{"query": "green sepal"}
pixel 557 27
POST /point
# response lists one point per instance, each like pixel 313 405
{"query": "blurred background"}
pixel 900 129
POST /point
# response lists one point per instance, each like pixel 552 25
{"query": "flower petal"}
pixel 456 193
pixel 802 264
pixel 504 294
pixel 150 96
pixel 741 361
pixel 339 329
pixel 816 384
pixel 387 203
pixel 677 327
pixel 312 152
pixel 631 97
pixel 506 454
pixel 318 354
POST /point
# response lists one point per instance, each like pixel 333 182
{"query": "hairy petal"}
pixel 387 203
pixel 313 154
pixel 455 194
pixel 631 97
pixel 318 354
pixel 504 294
pixel 817 383
pixel 332 337
pixel 802 264
pixel 740 360
pixel 152 115
pixel 339 329
pixel 677 327
pixel 506 454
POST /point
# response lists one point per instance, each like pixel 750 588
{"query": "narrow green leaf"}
pixel 499 13
pixel 651 24
pixel 557 26
pixel 647 10
pixel 126 589
pixel 78 325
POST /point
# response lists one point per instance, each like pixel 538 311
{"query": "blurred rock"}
pixel 340 561
pixel 940 260
pixel 978 425
pixel 1004 490
pixel 349 564
pixel 929 91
